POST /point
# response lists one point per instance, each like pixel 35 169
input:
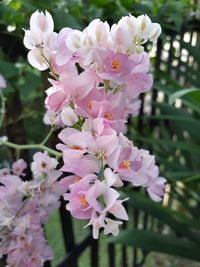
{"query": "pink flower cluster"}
pixel 98 75
pixel 24 208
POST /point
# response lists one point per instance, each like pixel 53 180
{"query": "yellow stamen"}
pixel 77 179
pixel 90 104
pixel 34 260
pixel 83 201
pixel 115 64
pixel 124 164
pixel 108 115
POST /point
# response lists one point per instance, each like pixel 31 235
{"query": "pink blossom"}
pixel 100 73
pixel 112 109
pixel 81 165
pixel 78 204
pixel 28 247
pixel 79 86
pixel 156 188
pixel 63 54
pixel 115 66
pixel 56 97
pixel 42 164
pixel 18 167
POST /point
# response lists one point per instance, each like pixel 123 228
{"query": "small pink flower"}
pixel 78 204
pixel 115 66
pixel 18 167
pixel 42 164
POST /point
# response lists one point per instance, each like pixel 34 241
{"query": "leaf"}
pixel 64 19
pixel 8 69
pixel 174 219
pixel 181 93
pixel 191 103
pixel 193 148
pixel 150 241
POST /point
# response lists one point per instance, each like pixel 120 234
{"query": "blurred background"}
pixel 168 125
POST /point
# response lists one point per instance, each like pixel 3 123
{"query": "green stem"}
pixel 3 108
pixel 106 85
pixel 47 137
pixel 32 146
pixel 49 65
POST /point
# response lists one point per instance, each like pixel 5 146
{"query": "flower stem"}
pixel 48 136
pixel 32 146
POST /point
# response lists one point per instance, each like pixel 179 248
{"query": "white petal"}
pixel 40 22
pixel 36 60
pixel 118 210
pixel 31 39
pixel 74 40
pixel 68 116
pixel 155 32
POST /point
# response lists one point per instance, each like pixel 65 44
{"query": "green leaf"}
pixel 181 93
pixel 175 220
pixel 150 241
pixel 193 148
pixel 65 19
pixel 7 69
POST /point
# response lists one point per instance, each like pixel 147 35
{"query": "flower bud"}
pixel 68 116
pixel 74 40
